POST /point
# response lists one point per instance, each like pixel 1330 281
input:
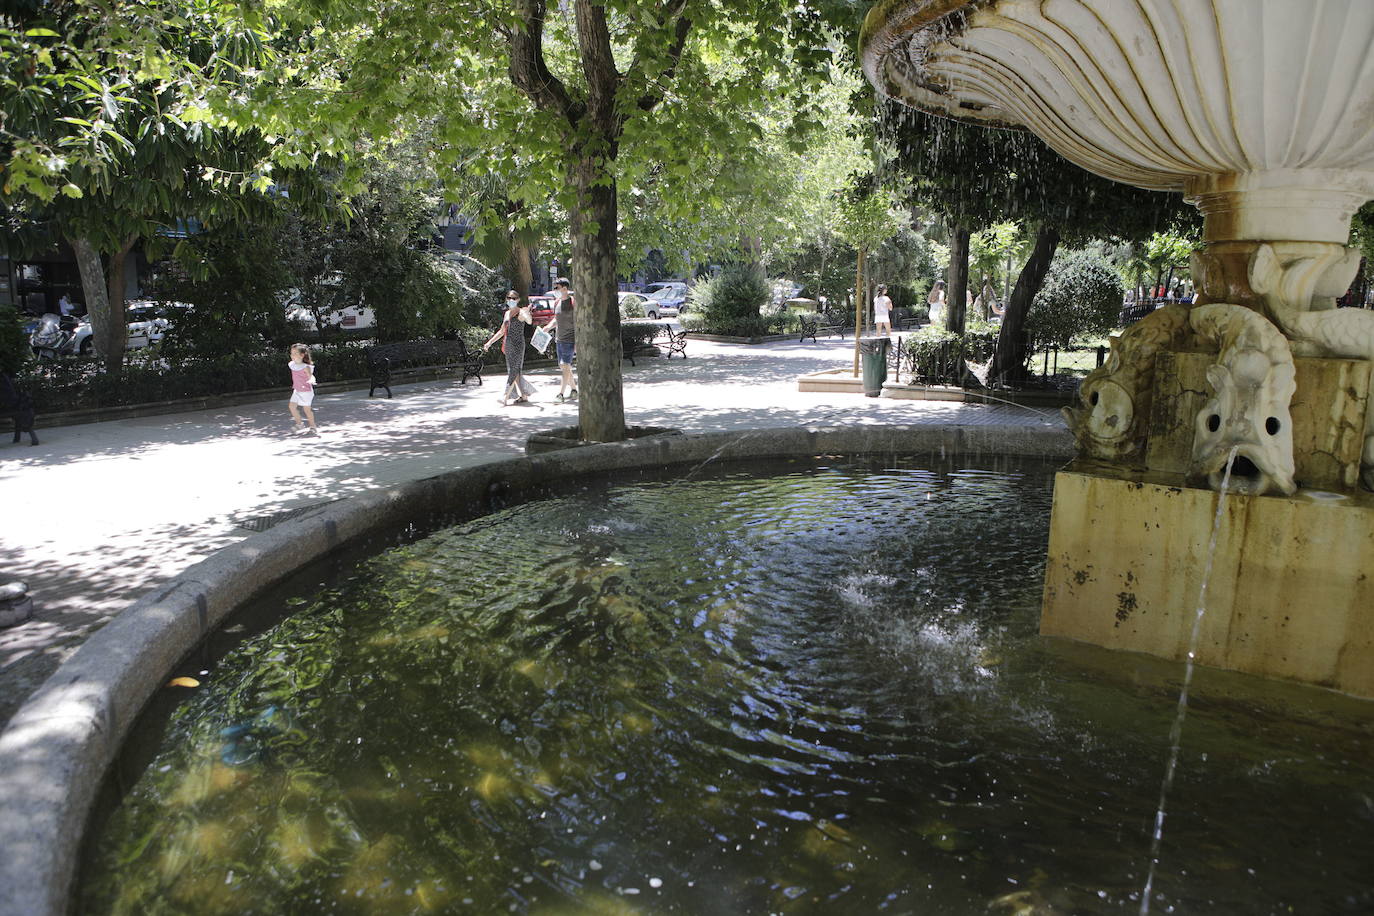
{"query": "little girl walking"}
pixel 302 387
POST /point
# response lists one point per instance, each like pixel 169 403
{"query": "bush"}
pixel 729 302
pixel 233 278
pixel 934 356
pixel 633 308
pixel 634 336
pixel 79 383
pixel 1082 295
pixel 14 346
pixel 784 321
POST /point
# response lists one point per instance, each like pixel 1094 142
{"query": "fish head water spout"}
pixel 1248 414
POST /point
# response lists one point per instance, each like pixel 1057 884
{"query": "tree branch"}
pixel 676 10
pixel 598 62
pixel 528 69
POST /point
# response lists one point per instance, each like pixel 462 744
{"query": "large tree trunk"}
pixel 521 273
pixel 109 345
pixel 601 405
pixel 117 273
pixel 956 305
pixel 1009 361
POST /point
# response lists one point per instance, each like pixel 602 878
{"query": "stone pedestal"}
pixel 1292 587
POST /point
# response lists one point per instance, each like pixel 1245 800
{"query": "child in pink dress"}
pixel 302 387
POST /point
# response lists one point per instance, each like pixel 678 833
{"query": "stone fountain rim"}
pixel 57 749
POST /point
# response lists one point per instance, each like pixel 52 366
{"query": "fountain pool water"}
pixel 819 690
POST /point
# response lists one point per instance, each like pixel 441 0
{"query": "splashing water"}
pixel 983 395
pixel 716 454
pixel 1176 733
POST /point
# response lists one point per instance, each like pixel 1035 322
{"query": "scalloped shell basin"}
pixel 818 690
pixel 1273 99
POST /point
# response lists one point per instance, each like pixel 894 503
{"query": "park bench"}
pixel 811 325
pixel 674 342
pixel 639 338
pixel 905 320
pixel 384 358
pixel 16 404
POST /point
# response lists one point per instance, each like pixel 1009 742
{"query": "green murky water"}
pixel 816 692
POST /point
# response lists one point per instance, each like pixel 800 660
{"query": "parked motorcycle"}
pixel 54 336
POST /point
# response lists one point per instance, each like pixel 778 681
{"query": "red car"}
pixel 541 310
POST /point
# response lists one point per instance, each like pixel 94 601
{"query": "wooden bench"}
pixel 383 358
pixel 16 404
pixel 811 325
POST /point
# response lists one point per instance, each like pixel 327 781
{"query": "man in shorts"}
pixel 564 330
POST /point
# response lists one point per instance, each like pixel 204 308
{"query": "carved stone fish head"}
pixel 1248 412
pixel 1104 426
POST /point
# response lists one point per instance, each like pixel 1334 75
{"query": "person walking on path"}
pixel 936 301
pixel 302 368
pixel 882 312
pixel 564 326
pixel 512 337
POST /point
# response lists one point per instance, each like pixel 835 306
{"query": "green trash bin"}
pixel 873 356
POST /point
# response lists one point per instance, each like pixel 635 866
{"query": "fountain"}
pixel 1250 110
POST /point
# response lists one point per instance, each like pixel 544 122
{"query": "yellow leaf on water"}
pixel 493 787
pixel 183 682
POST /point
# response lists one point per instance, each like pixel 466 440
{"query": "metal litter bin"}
pixel 873 357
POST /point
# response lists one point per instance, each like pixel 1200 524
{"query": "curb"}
pixel 59 746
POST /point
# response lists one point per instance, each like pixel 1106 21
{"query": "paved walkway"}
pixel 99 514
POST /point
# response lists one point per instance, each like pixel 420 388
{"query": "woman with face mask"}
pixel 512 337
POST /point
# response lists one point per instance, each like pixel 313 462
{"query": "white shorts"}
pixel 303 398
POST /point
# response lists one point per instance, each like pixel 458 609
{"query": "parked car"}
pixel 541 309
pixel 148 322
pixel 633 305
pixel 678 285
pixel 784 290
pixel 665 302
pixel 353 317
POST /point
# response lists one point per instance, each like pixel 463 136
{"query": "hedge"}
pixel 78 383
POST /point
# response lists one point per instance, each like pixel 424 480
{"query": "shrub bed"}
pixel 148 378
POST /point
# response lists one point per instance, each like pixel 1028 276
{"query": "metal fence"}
pixel 947 362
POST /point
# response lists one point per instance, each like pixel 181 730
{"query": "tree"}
pixel 591 95
pixel 866 218
pixel 967 172
pixel 108 136
pixel 990 250
pixel 1081 295
pixel 1166 251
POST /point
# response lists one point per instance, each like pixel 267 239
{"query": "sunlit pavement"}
pixel 98 514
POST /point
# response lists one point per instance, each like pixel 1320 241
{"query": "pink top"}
pixel 302 376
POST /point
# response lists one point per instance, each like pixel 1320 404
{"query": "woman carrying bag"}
pixel 512 337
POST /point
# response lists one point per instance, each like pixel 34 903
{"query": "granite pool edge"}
pixel 56 749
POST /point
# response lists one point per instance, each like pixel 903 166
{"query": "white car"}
pixel 145 323
pixel 351 318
